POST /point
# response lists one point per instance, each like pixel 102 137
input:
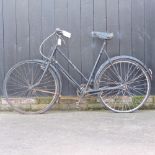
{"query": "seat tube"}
pixel 97 60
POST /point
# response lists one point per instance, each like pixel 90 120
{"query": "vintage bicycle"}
pixel 122 83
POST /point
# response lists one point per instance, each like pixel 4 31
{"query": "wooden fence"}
pixel 24 24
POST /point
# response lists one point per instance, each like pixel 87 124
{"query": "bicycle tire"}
pixel 135 85
pixel 20 93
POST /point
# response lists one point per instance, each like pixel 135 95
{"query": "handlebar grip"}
pixel 64 33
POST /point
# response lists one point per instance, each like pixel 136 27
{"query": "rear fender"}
pixel 126 57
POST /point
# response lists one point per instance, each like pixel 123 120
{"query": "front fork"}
pixel 45 70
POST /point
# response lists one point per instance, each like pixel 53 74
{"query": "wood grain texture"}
pixel 24 24
pixel 61 21
pixel 100 21
pixel 35 13
pixel 86 39
pixel 10 37
pixel 113 46
pixel 125 27
pixel 138 29
pixel 75 41
pixel 1 47
pixel 22 32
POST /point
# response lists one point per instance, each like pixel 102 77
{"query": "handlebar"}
pixel 58 32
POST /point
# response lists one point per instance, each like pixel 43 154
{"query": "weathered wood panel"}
pixel 1 47
pixel 100 20
pixel 48 26
pixel 148 33
pixel 61 21
pixel 10 35
pixel 86 39
pixel 24 24
pixel 74 42
pixel 138 29
pixel 125 27
pixel 35 27
pixel 113 46
pixel 150 51
pixel 47 17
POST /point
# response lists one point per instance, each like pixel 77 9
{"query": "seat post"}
pixel 102 47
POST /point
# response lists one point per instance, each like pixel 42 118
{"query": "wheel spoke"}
pixel 134 89
pixel 19 84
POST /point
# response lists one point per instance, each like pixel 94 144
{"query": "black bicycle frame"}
pixel 65 72
pixel 52 61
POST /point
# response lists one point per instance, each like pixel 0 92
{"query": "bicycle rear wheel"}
pixel 22 94
pixel 134 81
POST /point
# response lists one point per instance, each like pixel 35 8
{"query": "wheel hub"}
pixel 125 87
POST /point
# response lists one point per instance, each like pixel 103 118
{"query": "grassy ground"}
pixel 68 103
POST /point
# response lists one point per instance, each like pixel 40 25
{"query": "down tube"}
pixel 69 77
pixel 70 62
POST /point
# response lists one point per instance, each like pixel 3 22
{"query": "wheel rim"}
pixel 135 86
pixel 21 92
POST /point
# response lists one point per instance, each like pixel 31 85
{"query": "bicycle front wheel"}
pixel 131 84
pixel 23 92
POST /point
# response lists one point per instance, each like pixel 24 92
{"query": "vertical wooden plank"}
pixel 125 27
pixel 148 32
pixel 1 48
pixel 61 21
pixel 47 24
pixel 138 29
pixel 47 17
pixel 9 33
pixel 74 42
pixel 22 30
pixel 150 39
pixel 35 27
pixel 113 46
pixel 86 39
pixel 100 15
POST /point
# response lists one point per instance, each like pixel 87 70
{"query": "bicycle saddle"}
pixel 103 35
